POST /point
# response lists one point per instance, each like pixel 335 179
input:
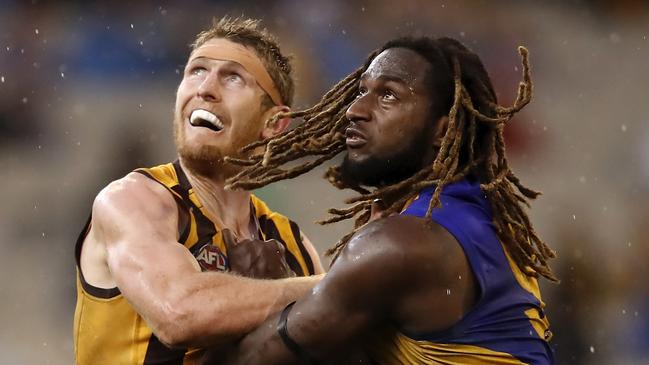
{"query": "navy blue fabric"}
pixel 498 321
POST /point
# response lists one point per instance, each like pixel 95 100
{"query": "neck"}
pixel 228 209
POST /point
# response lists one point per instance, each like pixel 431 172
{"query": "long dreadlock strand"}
pixel 338 90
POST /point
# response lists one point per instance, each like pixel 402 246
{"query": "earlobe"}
pixel 440 131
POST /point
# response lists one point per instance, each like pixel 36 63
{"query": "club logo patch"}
pixel 210 258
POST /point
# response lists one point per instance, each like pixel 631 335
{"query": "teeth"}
pixel 201 114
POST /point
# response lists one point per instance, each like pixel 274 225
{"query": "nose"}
pixel 359 111
pixel 209 88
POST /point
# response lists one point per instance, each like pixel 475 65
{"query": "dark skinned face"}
pixel 390 133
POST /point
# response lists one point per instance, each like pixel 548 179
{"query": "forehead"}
pixel 400 64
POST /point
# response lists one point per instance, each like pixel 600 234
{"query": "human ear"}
pixel 440 131
pixel 274 127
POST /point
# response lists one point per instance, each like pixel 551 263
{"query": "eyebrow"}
pixel 386 77
pixel 229 63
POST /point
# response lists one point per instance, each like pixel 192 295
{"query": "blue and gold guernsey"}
pixel 507 325
pixel 107 330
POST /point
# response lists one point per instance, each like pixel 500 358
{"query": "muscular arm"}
pixel 391 269
pixel 136 220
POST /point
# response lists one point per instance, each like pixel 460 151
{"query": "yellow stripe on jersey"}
pixel 284 227
pixel 96 316
pixel 398 349
pixel 530 284
pixel 107 330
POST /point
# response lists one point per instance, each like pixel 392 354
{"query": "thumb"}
pixel 228 239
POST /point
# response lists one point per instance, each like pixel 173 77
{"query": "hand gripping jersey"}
pixel 107 330
pixel 507 325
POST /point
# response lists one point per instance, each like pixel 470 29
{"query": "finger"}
pixel 228 239
pixel 276 245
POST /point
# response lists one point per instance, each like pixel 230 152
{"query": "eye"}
pixel 389 95
pixel 234 77
pixel 361 91
pixel 197 70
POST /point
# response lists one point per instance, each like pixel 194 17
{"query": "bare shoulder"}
pixel 133 205
pixel 407 245
pixel 134 190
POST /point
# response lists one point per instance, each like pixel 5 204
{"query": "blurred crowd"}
pixel 87 90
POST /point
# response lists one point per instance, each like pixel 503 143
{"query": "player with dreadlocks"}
pixel 420 123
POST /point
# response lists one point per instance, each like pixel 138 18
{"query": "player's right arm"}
pixel 135 220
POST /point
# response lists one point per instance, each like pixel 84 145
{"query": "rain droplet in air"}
pixel 623 127
pixel 592 349
pixel 2 79
pixel 131 25
pixel 36 31
pixel 448 291
pixel 62 75
pixel 574 217
pixel 25 100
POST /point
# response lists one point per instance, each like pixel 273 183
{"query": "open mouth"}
pixel 203 118
pixel 354 138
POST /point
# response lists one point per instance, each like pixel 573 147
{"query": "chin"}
pixel 199 153
pixel 378 171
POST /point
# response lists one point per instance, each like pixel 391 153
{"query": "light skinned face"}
pixel 226 90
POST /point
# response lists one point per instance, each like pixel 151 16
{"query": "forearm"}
pixel 317 328
pixel 219 308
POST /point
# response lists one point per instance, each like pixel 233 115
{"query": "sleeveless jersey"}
pixel 507 325
pixel 107 330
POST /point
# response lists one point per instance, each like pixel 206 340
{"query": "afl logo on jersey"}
pixel 211 258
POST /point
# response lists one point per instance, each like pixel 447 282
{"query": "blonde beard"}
pixel 210 157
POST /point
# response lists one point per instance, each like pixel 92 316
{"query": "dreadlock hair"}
pixel 473 146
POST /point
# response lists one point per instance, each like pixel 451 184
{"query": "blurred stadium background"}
pixel 87 89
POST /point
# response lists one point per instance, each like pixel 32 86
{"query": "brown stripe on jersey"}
pixel 90 289
pixel 305 254
pixel 148 174
pixel 159 354
pixel 205 228
pixel 270 229
pixel 185 202
pixel 184 228
pixel 182 178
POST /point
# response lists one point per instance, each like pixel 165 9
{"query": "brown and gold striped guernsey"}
pixel 107 330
